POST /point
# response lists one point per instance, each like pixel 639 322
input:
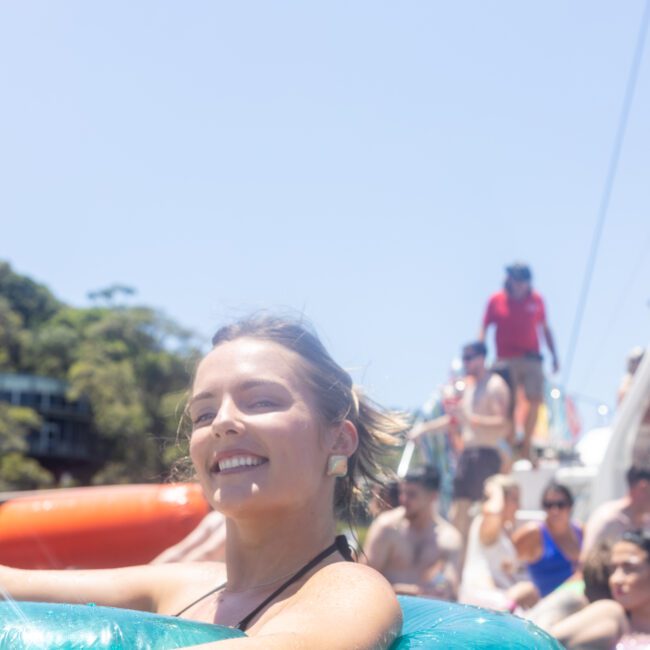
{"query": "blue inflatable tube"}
pixel 437 624
pixel 427 624
pixel 50 626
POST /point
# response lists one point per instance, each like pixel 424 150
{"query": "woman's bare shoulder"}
pixel 341 572
pixel 529 530
pixel 344 603
pixel 527 540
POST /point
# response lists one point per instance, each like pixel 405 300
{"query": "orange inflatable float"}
pixel 97 527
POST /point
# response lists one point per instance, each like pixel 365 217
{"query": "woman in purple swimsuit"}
pixel 551 549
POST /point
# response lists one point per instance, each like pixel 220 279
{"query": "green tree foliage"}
pixel 130 362
pixel 17 471
pixel 11 335
pixel 15 423
pixel 20 473
pixel 33 302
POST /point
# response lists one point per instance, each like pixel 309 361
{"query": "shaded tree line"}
pixel 131 363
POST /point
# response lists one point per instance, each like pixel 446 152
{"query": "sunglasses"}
pixel 560 505
pixel 469 357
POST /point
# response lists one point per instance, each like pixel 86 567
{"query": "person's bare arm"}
pixel 602 525
pixel 132 587
pixel 528 542
pixel 377 546
pixel 447 587
pixel 550 344
pixel 432 426
pixel 206 542
pixel 488 319
pixel 492 511
pixel 597 627
pixel 444 577
pixel 325 614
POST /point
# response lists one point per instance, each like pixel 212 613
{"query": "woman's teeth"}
pixel 239 461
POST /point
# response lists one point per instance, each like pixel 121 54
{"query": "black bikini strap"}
pixel 198 600
pixel 340 544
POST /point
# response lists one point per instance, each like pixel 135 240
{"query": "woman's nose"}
pixel 227 419
pixel 616 577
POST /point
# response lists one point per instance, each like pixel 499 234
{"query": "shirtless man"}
pixel 613 518
pixel 483 414
pixel 416 549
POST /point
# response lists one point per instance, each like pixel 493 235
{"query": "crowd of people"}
pixel 282 443
pixel 549 571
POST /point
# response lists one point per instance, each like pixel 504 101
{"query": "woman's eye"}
pixel 203 418
pixel 263 404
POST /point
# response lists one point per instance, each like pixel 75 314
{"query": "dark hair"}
pixel 554 486
pixel 636 474
pixel 388 495
pixel 476 347
pixel 428 477
pixel 640 538
pixel 596 572
pixel 337 399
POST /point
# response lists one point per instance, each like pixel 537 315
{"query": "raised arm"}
pixel 492 511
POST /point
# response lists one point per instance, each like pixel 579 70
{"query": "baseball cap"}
pixel 519 271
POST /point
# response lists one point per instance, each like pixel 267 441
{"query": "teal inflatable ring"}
pixel 427 624
pixel 438 624
pixel 50 626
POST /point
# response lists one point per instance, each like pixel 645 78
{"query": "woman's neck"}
pixel 640 619
pixel 267 549
pixel 559 529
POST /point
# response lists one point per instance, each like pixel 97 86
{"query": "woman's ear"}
pixel 345 439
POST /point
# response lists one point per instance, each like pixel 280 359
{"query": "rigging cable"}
pixel 607 190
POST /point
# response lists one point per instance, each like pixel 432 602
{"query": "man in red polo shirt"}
pixel 518 313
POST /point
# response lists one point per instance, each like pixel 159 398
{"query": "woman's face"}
pixel 557 508
pixel 257 441
pixel 629 580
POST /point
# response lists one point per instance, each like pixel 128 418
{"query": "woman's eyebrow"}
pixel 198 397
pixel 257 383
pixel 245 385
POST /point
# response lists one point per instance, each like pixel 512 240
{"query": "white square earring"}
pixel 337 465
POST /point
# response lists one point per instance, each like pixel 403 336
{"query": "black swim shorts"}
pixel 475 466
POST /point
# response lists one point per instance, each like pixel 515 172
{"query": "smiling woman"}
pixel 624 621
pixel 280 437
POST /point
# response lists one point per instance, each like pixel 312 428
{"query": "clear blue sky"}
pixel 372 164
